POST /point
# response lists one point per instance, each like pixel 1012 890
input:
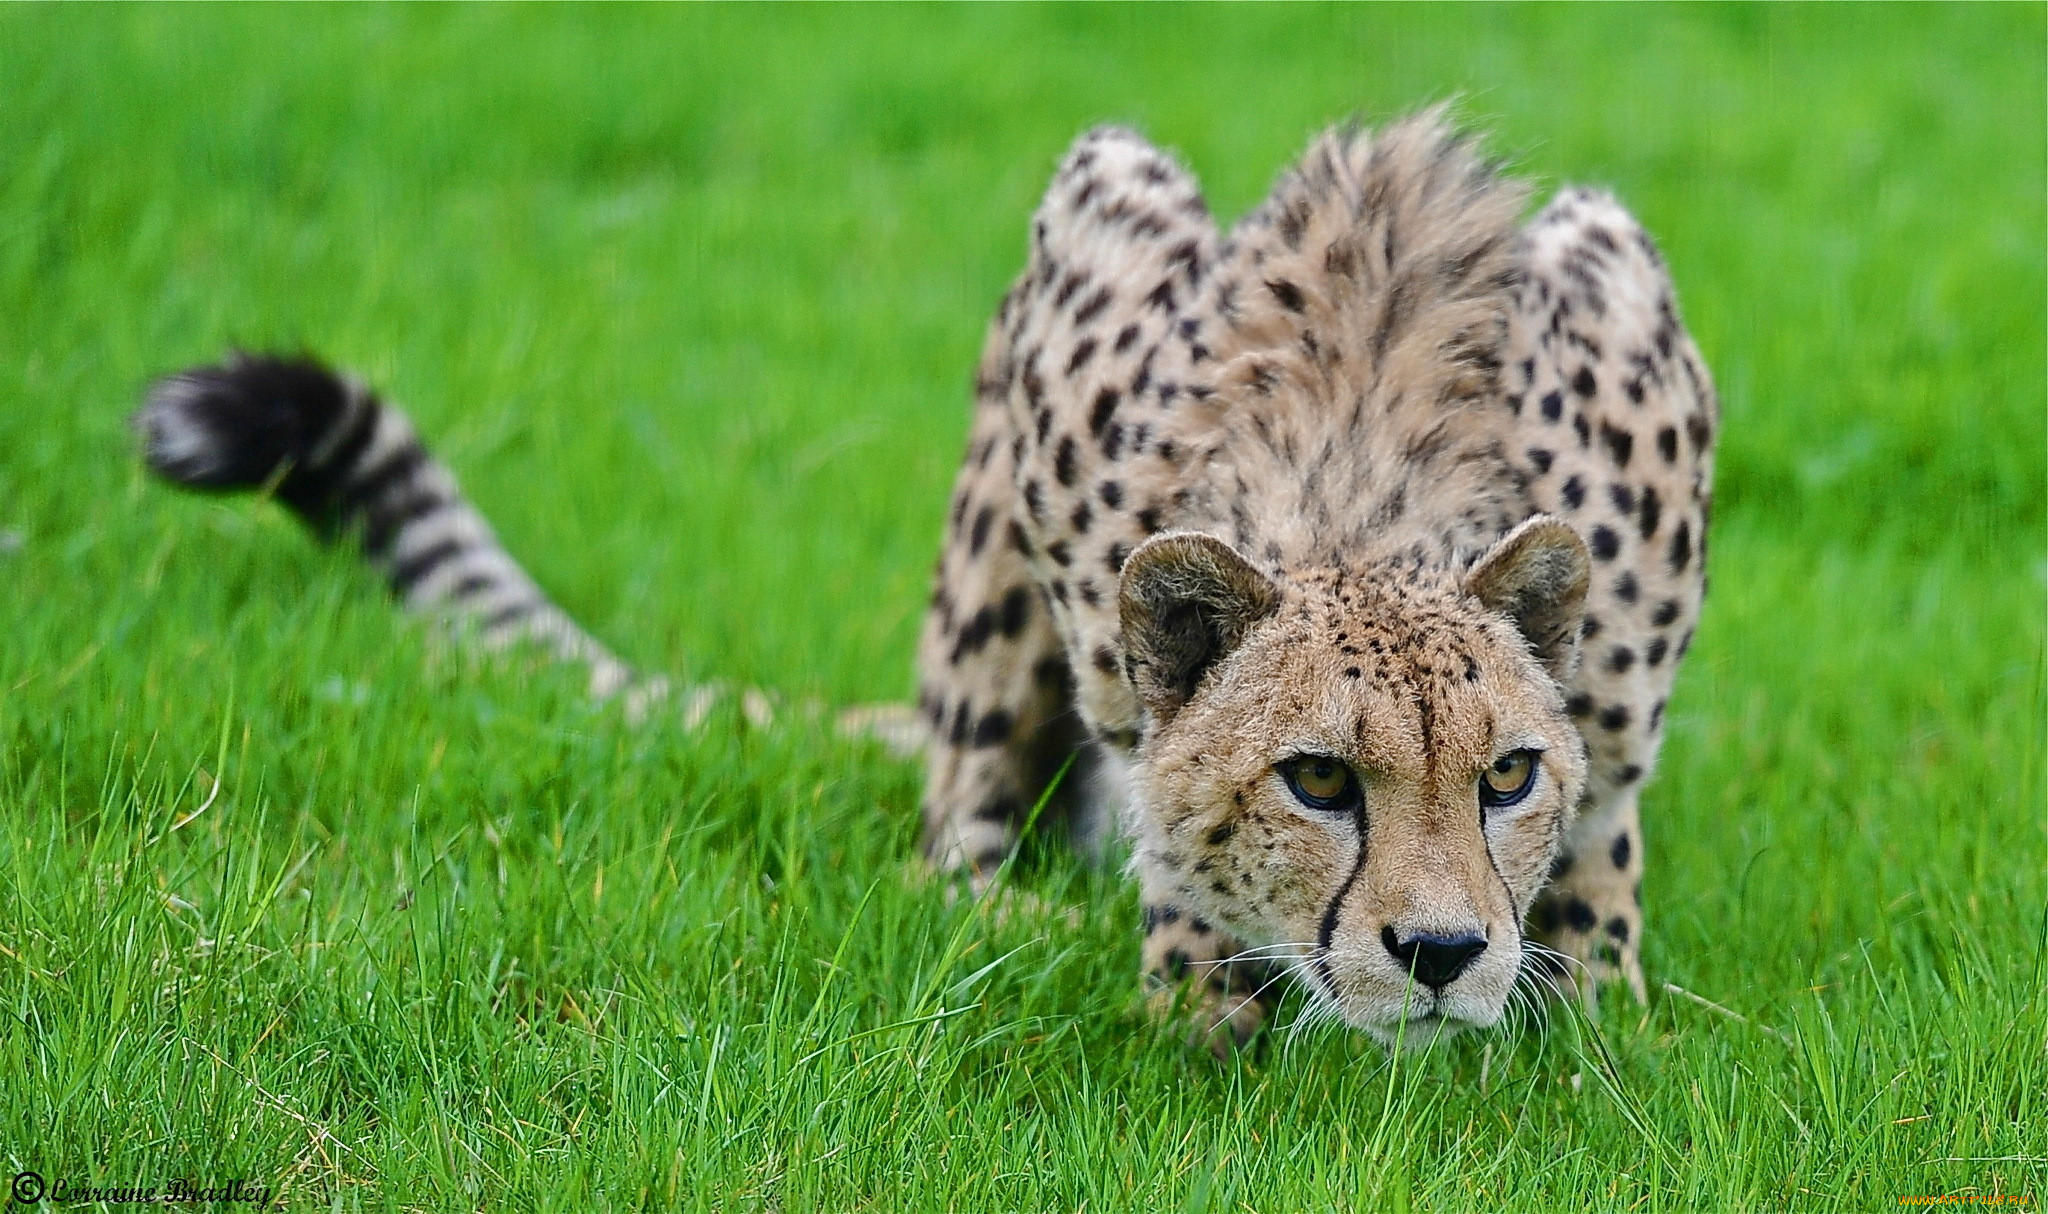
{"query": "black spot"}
pixel 1126 337
pixel 1001 808
pixel 1614 718
pixel 1081 517
pixel 1553 406
pixel 1148 519
pixel 1589 627
pixel 1116 556
pixel 1018 539
pixel 1623 497
pixel 1680 554
pixel 1105 407
pixel 1352 672
pixel 1083 351
pixel 1667 444
pixel 1579 704
pixel 1574 492
pixel 1161 916
pixel 1608 954
pixel 1113 441
pixel 1016 610
pixel 1105 659
pixel 1579 915
pixel 1648 520
pixel 1628 774
pixel 1112 494
pixel 1287 293
pixel 983 519
pixel 1625 588
pixel 1541 458
pixel 1656 714
pixel 1063 461
pixel 1666 612
pixel 1620 852
pixel 1653 653
pixel 1700 432
pixel 1621 659
pixel 1617 927
pixel 1057 550
pixel 1583 383
pixel 1562 865
pixel 1620 444
pixel 1222 834
pixel 1605 543
pixel 1583 429
pixel 1092 308
pixel 1161 296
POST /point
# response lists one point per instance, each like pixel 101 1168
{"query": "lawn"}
pixel 690 298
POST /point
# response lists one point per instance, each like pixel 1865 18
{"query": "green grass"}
pixel 690 298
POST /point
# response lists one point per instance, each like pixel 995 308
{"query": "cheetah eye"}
pixel 1321 782
pixel 1508 780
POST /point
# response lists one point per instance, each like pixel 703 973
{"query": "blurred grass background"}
pixel 690 298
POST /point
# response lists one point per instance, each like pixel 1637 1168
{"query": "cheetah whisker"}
pixel 1263 952
pixel 1543 950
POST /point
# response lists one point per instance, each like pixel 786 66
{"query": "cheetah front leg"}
pixel 1194 981
pixel 1592 910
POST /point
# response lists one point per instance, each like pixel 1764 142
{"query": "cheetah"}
pixel 1359 546
pixel 1352 552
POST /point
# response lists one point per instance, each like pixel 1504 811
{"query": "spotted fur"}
pixel 1230 497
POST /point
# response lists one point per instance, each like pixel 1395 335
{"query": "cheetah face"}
pixel 1366 773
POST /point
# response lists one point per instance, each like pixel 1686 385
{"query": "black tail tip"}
pixel 233 426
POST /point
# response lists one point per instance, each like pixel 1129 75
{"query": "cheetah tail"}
pixel 350 465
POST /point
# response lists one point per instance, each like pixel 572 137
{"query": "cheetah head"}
pixel 1365 771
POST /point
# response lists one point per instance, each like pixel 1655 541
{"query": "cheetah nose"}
pixel 1436 961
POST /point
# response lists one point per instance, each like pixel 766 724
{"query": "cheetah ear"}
pixel 1185 602
pixel 1537 576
